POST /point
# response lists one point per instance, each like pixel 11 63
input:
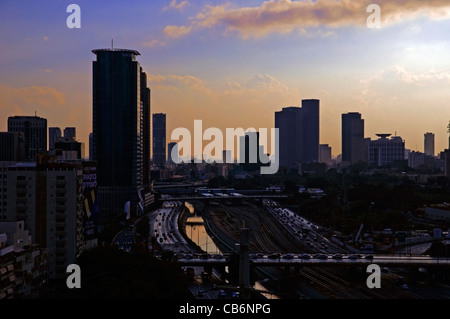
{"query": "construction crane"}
pixel 366 219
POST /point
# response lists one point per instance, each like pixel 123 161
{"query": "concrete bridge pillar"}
pixel 244 268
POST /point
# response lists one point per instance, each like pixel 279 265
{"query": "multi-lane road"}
pixel 303 229
pixel 164 227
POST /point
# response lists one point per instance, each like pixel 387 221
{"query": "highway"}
pixel 303 229
pixel 321 264
pixel 164 226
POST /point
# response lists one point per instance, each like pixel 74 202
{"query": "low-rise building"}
pixel 23 265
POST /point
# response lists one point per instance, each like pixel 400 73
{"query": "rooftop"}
pixel 116 50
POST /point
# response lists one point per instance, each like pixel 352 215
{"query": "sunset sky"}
pixel 234 63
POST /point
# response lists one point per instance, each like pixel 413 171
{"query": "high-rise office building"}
pixel 311 131
pixel 250 151
pixel 299 133
pixel 34 131
pixel 325 154
pixel 12 146
pixel 159 138
pixel 429 144
pixel 146 128
pixel 70 133
pixel 353 146
pixel 54 134
pixel 385 150
pixel 118 128
pixel 171 147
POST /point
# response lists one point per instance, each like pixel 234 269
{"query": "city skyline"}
pixel 208 62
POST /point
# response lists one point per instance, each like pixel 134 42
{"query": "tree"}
pixel 109 273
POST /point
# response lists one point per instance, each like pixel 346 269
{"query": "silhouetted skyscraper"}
pixel 311 131
pixel 171 147
pixel 34 130
pixel 249 145
pixel 325 154
pixel 159 138
pixel 118 127
pixel 146 128
pixel 353 145
pixel 54 133
pixel 70 133
pixel 298 133
pixel 429 144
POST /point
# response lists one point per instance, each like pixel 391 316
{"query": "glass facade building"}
pixel 120 102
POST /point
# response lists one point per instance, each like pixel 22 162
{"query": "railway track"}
pixel 335 286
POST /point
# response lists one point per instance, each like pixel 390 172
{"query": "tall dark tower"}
pixel 299 133
pixel 311 131
pixel 288 121
pixel 120 106
pixel 353 145
pixel 159 139
pixel 146 128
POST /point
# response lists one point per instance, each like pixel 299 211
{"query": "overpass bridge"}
pixel 295 260
pixel 168 185
pixel 221 197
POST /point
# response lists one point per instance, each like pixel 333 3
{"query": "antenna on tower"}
pixel 112 43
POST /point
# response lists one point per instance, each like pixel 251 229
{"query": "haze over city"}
pixel 234 63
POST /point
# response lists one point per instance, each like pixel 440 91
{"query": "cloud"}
pixel 39 95
pixel 174 31
pixel 225 104
pixel 174 5
pixel 153 43
pixel 420 78
pixel 286 16
pixel 26 100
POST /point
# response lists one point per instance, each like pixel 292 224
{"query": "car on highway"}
pixel 274 256
pixel 368 257
pixel 321 256
pixel 287 256
pixel 304 256
pixel 337 256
